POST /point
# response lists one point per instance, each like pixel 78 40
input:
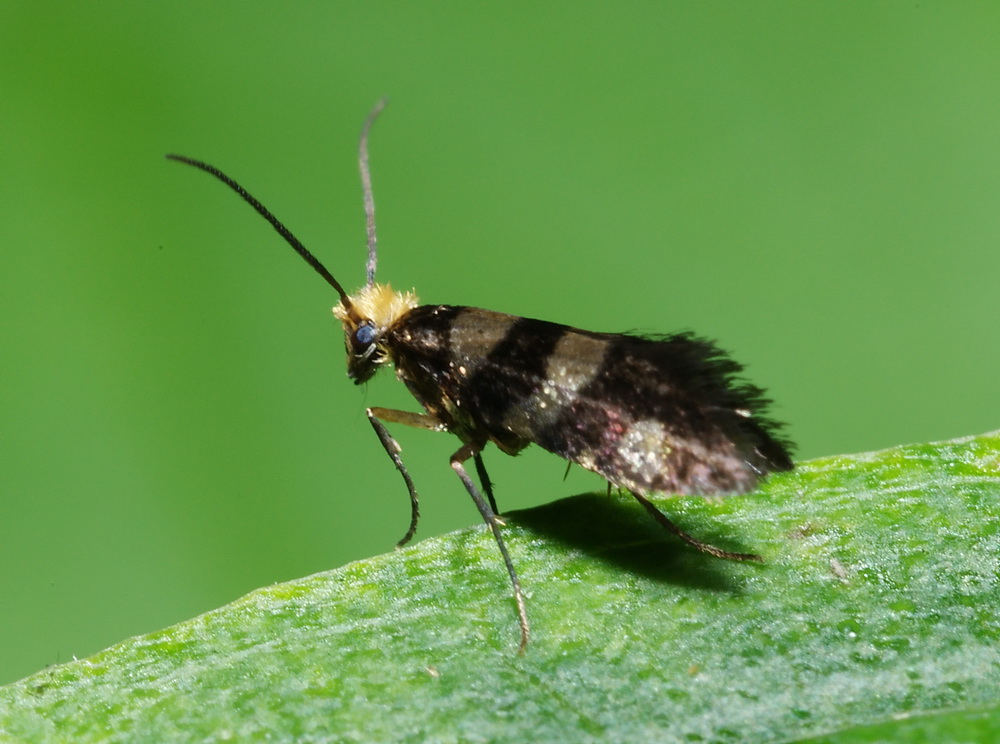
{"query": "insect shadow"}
pixel 620 533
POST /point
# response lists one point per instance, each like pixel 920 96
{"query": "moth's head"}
pixel 367 316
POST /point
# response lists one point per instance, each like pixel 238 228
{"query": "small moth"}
pixel 649 414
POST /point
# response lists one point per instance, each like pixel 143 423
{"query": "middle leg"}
pixel 490 517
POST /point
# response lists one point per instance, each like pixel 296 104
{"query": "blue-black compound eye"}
pixel 365 335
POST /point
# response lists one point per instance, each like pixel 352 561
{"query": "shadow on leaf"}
pixel 621 534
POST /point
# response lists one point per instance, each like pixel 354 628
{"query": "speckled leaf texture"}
pixel 875 617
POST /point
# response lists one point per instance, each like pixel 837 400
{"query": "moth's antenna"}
pixel 274 221
pixel 366 186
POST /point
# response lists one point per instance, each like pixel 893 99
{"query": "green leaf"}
pixel 875 617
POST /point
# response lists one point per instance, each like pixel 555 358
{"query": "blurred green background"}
pixel 815 185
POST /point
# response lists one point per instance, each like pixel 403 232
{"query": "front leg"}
pixel 418 420
pixel 489 516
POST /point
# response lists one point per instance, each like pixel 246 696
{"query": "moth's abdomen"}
pixel 647 414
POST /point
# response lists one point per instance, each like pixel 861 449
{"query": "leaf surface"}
pixel 876 616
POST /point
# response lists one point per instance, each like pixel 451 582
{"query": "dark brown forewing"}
pixel 648 414
pixel 668 415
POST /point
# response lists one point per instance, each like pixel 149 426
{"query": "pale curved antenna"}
pixel 366 187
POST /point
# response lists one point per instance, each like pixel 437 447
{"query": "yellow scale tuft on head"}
pixel 379 303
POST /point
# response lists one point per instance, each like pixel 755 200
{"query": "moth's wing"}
pixel 648 414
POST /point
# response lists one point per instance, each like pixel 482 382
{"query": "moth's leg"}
pixel 490 517
pixel 702 546
pixel 484 478
pixel 419 420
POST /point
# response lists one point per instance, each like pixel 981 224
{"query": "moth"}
pixel 649 414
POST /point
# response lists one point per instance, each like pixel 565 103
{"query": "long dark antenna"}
pixel 274 221
pixel 366 186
